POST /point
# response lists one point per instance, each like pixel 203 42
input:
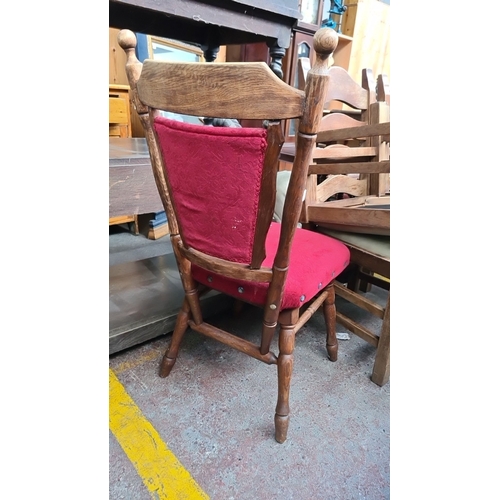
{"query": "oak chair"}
pixel 218 187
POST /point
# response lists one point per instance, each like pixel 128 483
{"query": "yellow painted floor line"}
pixel 137 361
pixel 159 469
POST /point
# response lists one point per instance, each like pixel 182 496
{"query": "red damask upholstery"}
pixel 217 204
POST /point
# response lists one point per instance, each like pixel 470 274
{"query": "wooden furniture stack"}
pixel 347 195
pixel 362 222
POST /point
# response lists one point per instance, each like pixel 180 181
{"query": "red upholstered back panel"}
pixel 215 175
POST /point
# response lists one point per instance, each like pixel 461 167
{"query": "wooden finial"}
pixel 325 42
pixel 133 67
pixel 127 40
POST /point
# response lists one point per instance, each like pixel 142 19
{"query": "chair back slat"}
pixel 226 88
pixel 345 89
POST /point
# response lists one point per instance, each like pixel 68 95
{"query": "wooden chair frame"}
pixel 172 87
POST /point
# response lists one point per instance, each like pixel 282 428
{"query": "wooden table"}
pixel 132 188
pixel 212 23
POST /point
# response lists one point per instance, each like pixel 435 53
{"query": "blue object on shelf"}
pixel 160 219
pixel 336 7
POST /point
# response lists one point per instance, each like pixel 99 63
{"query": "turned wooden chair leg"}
pixel 364 286
pixel 136 224
pixel 330 314
pixel 353 283
pixel 381 367
pixel 285 368
pixel 180 328
pixel 238 306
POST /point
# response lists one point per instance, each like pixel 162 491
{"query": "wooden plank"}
pixel 344 153
pixel 121 219
pixel 367 167
pixel 357 329
pixel 359 300
pixel 158 89
pixel 354 132
pixel 345 216
pixel 155 233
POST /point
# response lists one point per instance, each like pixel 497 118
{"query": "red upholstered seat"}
pixel 315 260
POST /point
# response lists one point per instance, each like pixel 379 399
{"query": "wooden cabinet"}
pixel 364 36
pixel 119 111
pixel 120 126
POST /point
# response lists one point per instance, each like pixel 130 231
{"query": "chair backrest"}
pixel 218 185
pixel 343 89
pixel 347 105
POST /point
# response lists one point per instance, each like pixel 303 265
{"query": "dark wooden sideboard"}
pixel 212 23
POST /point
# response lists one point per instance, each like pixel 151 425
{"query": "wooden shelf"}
pixel 344 38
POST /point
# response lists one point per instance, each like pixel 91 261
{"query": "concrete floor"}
pixel 215 413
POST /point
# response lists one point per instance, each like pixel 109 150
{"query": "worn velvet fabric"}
pixel 215 175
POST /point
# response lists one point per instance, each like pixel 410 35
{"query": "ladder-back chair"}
pixel 352 159
pixel 346 190
pixel 347 105
pixel 218 187
pixel 363 224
